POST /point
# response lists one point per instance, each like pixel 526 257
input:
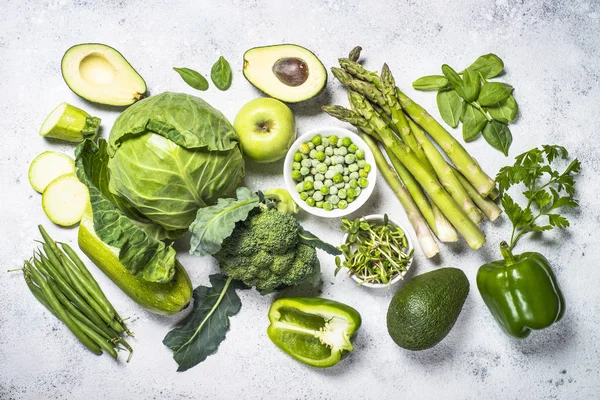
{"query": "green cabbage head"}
pixel 172 154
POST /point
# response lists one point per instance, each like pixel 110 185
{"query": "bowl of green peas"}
pixel 330 172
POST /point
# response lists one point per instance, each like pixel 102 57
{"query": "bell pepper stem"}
pixel 507 254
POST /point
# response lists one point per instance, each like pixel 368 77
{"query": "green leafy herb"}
pixel 473 122
pixel 505 111
pixel 214 224
pixel 469 98
pixel 192 78
pixel 207 324
pixel 450 105
pixel 547 190
pixel 498 136
pixel 220 73
pixel 489 66
pixel 431 82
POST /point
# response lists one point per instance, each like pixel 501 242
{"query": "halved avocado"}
pixel 286 72
pixel 100 74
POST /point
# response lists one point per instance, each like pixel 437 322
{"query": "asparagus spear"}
pixel 426 240
pixel 438 223
pixel 446 175
pixel 489 208
pixel 457 153
pixel 469 230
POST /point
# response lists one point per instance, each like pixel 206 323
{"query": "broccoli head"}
pixel 264 251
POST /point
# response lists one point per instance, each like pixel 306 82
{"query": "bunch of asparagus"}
pixel 59 279
pixel 439 198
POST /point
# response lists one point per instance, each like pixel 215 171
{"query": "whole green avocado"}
pixel 425 309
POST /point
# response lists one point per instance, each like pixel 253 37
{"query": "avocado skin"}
pixel 425 309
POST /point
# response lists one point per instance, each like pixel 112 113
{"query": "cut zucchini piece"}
pixel 65 199
pixel 48 166
pixel 67 122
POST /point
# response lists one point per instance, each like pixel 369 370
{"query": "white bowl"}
pixel 291 184
pixel 378 219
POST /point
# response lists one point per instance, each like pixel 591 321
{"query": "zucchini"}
pixel 48 166
pixel 65 199
pixel 159 298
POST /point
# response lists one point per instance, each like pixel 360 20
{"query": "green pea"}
pixel 308 185
pixel 328 182
pixel 324 189
pixel 342 204
pixel 346 141
pixel 297 156
pixel 309 178
pixel 353 183
pixel 310 201
pixel 327 206
pixel 367 167
pixel 300 187
pixel 352 148
pixel 303 148
pixel 304 195
pixel 296 165
pixel 318 196
pixel 328 151
pixel 349 199
pixel 311 145
pixel 319 177
pixel 304 171
pixel 362 173
pixel 337 178
pixel 334 199
pixel 306 163
pixel 320 155
pixel 296 175
pixel 342 193
pixel 360 154
pixel 319 204
pixel 320 148
pixel 333 140
pixel 316 140
pixel 333 190
pixel 349 159
pixel 322 168
pixel 361 163
pixel 342 151
pixel 363 182
pixel 350 193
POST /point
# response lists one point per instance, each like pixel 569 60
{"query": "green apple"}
pixel 266 128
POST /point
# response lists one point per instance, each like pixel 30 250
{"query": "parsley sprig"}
pixel 547 190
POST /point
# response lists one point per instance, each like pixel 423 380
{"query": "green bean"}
pixel 68 291
pixel 96 338
pixel 62 314
pixel 80 264
pixel 93 290
pixel 90 300
pixel 50 256
pixel 37 293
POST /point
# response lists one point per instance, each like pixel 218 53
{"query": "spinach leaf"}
pixel 505 111
pixel 220 73
pixel 192 78
pixel 471 85
pixel 207 324
pixel 450 105
pixel 498 136
pixel 431 82
pixel 488 65
pixel 473 122
pixel 493 93
pixel 215 223
pixel 455 80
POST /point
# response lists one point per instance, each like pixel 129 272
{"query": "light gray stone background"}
pixel 551 52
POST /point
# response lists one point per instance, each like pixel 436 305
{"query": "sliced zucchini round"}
pixel 65 199
pixel 48 166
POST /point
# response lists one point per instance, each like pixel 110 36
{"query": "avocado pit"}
pixel 291 71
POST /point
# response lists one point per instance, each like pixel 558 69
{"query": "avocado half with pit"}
pixel 286 72
pixel 100 74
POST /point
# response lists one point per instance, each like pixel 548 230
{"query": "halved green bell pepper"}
pixel 521 291
pixel 313 330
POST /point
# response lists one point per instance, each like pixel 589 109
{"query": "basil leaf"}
pixel 498 136
pixel 471 85
pixel 215 223
pixel 431 82
pixel 192 78
pixel 494 92
pixel 505 111
pixel 220 73
pixel 207 324
pixel 489 65
pixel 473 122
pixel 454 79
pixel 450 105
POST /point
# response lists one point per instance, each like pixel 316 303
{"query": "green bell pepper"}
pixel 521 291
pixel 313 330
